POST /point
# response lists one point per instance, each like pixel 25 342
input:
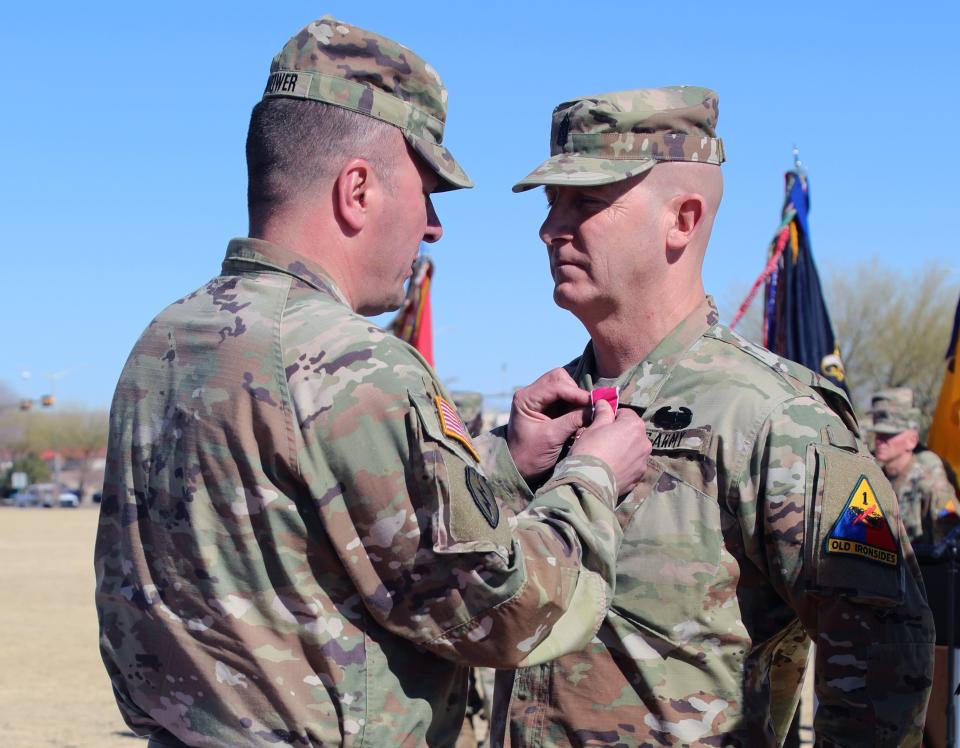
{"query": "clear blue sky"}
pixel 123 126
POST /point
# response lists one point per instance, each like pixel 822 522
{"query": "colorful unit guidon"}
pixel 862 529
pixel 452 425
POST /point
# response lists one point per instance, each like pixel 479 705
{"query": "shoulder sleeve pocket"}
pixel 468 515
pixel 442 423
pixel 854 547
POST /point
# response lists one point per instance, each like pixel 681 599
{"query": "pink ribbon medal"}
pixel 610 394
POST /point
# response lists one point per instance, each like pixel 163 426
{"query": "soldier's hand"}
pixel 543 417
pixel 620 441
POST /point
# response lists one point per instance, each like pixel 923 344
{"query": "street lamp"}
pixel 48 401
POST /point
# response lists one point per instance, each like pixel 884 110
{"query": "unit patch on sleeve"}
pixel 452 425
pixel 482 496
pixel 862 528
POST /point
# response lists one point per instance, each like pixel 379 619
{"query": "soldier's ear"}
pixel 351 195
pixel 685 213
pixel 913 439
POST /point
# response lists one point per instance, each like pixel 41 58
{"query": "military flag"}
pixel 944 436
pixel 796 324
pixel 413 322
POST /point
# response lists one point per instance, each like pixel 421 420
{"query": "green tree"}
pixel 36 469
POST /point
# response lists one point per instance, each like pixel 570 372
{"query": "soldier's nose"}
pixel 553 228
pixel 434 230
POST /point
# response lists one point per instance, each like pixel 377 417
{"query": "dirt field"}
pixel 53 688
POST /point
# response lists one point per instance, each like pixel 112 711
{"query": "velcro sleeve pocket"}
pixel 469 517
pixel 426 408
pixel 853 543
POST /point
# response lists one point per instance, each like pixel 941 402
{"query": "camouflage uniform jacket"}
pixel 923 492
pixel 741 544
pixel 296 543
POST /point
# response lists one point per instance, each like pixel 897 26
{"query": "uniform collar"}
pixel 640 385
pixel 244 252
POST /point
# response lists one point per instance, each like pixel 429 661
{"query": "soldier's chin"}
pixel 373 308
pixel 565 297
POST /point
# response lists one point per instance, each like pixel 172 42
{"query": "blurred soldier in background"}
pixel 470 406
pixel 476 725
pixel 926 497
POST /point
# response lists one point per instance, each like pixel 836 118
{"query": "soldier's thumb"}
pixel 602 414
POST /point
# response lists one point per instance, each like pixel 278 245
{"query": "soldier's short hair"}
pixel 294 145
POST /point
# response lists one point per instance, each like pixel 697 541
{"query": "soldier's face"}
pixel 889 448
pixel 600 242
pixel 406 219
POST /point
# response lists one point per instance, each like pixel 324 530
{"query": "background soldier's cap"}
pixel 605 138
pixel 899 397
pixel 892 419
pixel 470 406
pixel 336 63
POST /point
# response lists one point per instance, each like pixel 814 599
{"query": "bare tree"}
pixel 8 398
pixel 84 433
pixel 892 328
pixel 10 425
pixel 78 432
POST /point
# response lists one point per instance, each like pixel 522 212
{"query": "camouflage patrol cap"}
pixel 892 419
pixel 892 411
pixel 609 137
pixel 336 63
pixel 899 397
pixel 470 404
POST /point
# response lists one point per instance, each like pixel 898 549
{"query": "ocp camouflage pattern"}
pixel 337 63
pixel 724 575
pixel 898 397
pixel 289 548
pixel 892 411
pixel 612 136
pixel 923 494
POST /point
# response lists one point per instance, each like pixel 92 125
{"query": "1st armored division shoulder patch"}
pixel 862 529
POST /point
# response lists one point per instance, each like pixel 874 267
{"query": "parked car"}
pixel 26 498
pixel 70 500
pixel 96 497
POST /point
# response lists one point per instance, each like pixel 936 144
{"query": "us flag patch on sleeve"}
pixel 452 425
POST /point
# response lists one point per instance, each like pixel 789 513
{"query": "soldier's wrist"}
pixel 588 471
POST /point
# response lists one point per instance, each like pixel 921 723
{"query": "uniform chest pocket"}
pixel 669 561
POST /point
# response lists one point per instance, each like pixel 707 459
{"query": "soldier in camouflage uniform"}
pixel 923 491
pixel 762 523
pixel 297 542
pixel 480 699
pixel 470 407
